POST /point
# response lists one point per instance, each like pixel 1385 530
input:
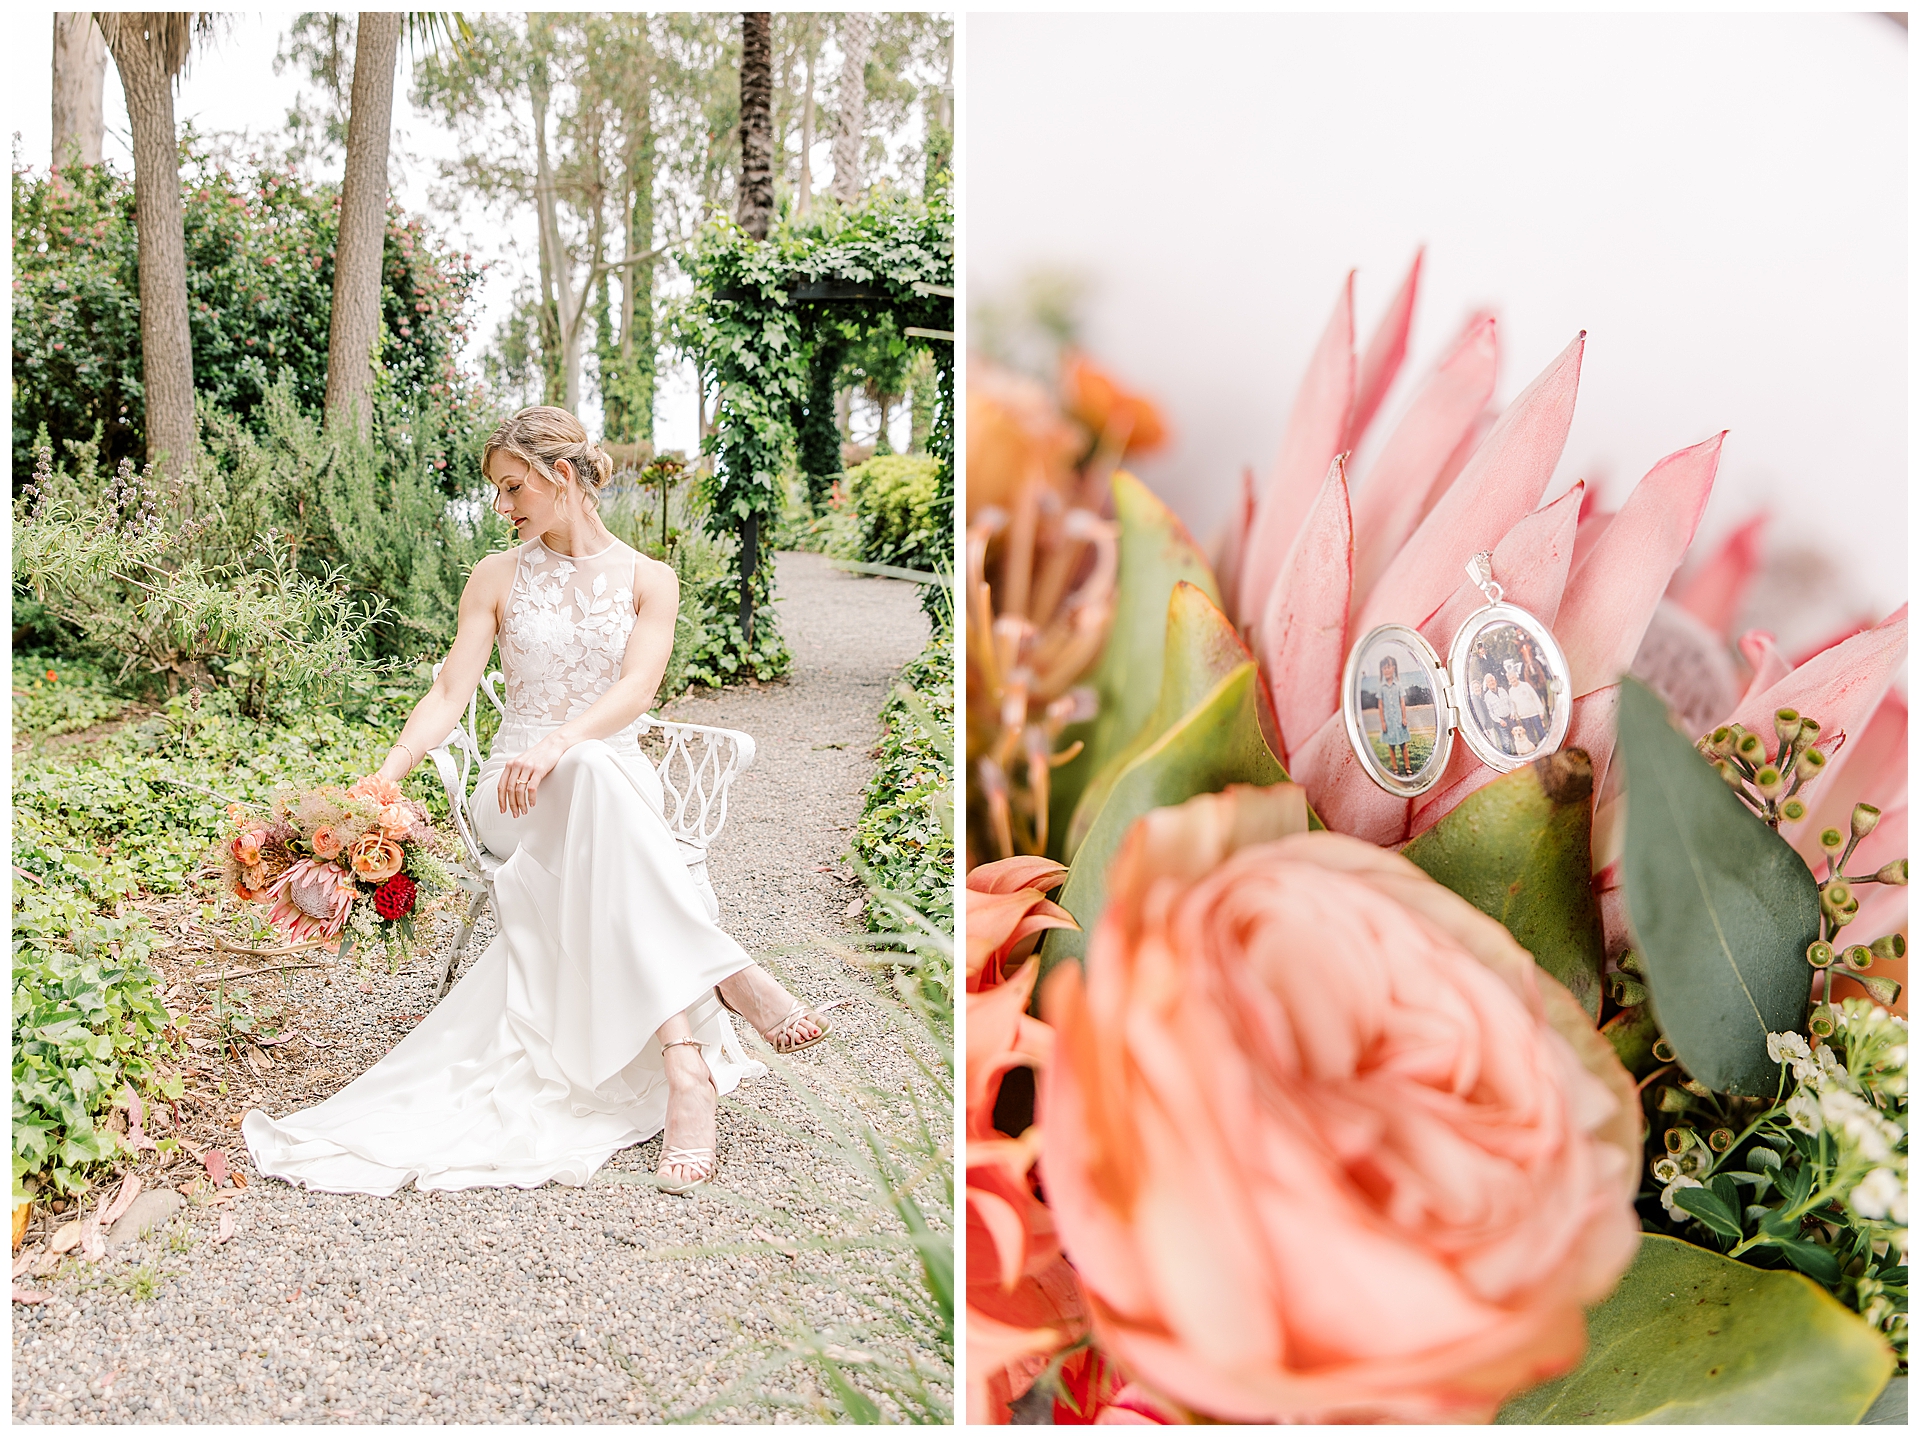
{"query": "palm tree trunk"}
pixel 79 88
pixel 355 327
pixel 756 122
pixel 148 50
pixel 850 135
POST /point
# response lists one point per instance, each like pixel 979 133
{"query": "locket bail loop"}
pixel 1480 570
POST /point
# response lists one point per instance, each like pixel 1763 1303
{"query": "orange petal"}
pixel 1009 875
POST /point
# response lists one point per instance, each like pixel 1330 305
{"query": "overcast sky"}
pixel 1719 200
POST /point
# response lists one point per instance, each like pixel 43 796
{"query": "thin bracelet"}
pixel 412 759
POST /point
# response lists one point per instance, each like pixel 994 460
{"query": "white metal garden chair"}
pixel 697 764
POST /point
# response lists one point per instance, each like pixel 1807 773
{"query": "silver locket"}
pixel 1505 688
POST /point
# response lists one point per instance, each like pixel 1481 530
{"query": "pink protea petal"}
pixel 1870 768
pixel 1837 636
pixel 1532 563
pixel 1714 591
pixel 1592 526
pixel 1593 727
pixel 1347 800
pixel 1315 430
pixel 1501 485
pixel 1301 639
pixel 1840 687
pixel 1763 656
pixel 1233 547
pixel 1386 351
pixel 1010 875
pixel 1611 596
pixel 1389 504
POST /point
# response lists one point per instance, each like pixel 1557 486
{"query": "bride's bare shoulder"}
pixel 492 577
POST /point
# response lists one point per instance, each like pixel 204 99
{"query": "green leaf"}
pixel 1722 907
pixel 1521 850
pixel 1216 744
pixel 1706 1205
pixel 1811 1258
pixel 1693 1337
pixel 1201 649
pixel 1156 552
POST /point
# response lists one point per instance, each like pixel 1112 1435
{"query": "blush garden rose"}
pixel 1322 1142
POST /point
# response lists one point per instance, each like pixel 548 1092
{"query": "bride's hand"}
pixel 520 779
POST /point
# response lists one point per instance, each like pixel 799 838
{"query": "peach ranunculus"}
pixel 376 790
pixel 1322 1142
pixel 397 819
pixel 374 859
pixel 325 844
pixel 1023 1303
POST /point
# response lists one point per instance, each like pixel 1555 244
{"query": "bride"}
pixel 594 1019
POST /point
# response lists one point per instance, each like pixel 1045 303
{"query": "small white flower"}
pixel 1880 1194
pixel 1678 1214
pixel 1785 1047
pixel 1803 1111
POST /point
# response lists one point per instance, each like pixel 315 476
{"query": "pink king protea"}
pixel 312 900
pixel 1308 564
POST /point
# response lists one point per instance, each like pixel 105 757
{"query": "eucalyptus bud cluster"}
pixel 1768 783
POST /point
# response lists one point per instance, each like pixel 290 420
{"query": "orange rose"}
pixel 325 843
pixel 1322 1142
pixel 396 819
pixel 374 859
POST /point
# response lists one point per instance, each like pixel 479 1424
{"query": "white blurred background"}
pixel 1719 200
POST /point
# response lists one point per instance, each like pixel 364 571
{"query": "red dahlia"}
pixel 394 898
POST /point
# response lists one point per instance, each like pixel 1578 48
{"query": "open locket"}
pixel 1505 689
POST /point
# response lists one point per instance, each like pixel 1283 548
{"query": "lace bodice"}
pixel 565 637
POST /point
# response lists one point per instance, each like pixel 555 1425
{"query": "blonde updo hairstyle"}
pixel 542 436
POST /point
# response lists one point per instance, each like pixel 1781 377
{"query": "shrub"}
pixel 87 1021
pixel 897 499
pixel 260 244
pixel 699 560
pixel 905 832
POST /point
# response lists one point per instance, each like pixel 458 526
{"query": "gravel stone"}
pixel 502 1305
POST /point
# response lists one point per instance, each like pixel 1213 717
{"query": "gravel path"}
pixel 559 1304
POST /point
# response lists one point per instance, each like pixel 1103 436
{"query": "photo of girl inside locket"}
pixel 1510 691
pixel 1397 711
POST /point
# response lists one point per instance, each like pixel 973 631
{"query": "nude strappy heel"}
pixel 702 1161
pixel 780 1035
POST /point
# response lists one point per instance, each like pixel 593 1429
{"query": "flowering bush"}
pixel 260 244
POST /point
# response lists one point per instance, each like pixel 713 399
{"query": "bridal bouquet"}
pixel 335 861
pixel 1323 1068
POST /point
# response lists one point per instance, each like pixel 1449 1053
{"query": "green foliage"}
pixel 905 834
pixel 1521 850
pixel 745 328
pixel 1689 1337
pixel 1215 744
pixel 87 1021
pixel 51 696
pixel 260 243
pixel 1723 909
pixel 1156 553
pixel 700 561
pixel 897 499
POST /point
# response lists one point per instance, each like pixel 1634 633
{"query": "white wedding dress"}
pixel 543 1061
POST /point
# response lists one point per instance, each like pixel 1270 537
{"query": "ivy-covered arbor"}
pixel 773 321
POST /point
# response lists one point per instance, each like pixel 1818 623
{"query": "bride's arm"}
pixel 657 597
pixel 435 715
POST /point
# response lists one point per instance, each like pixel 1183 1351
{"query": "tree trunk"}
pixel 636 280
pixel 805 200
pixel 849 137
pixel 148 50
pixel 79 88
pixel 756 122
pixel 566 307
pixel 357 259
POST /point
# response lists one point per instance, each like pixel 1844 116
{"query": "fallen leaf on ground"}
pixel 122 1200
pixel 65 1238
pixel 233 1120
pixel 137 1137
pixel 93 1243
pixel 216 1164
pixel 26 1295
pixel 239 1178
pixel 23 1262
pixel 22 1213
pixel 226 1227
